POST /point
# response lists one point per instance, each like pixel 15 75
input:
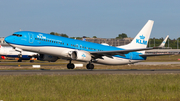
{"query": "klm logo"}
pixel 83 55
pixel 41 36
pixel 141 40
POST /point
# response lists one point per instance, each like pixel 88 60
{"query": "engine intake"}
pixel 81 56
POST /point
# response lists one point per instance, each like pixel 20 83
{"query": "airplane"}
pixel 70 49
pixel 10 52
pixel 164 42
pixel 3 57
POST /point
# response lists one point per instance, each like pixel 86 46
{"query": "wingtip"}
pixel 151 20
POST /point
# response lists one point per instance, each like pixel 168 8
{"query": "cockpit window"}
pixel 19 35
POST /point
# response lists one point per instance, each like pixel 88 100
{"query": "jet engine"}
pixel 81 56
pixel 45 57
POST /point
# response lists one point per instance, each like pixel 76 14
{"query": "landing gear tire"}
pixel 19 60
pixel 31 60
pixel 70 66
pixel 90 66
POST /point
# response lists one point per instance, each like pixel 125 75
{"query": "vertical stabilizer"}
pixel 164 42
pixel 141 39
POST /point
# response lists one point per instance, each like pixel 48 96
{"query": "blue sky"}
pixel 101 18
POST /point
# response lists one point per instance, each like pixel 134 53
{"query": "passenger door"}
pixel 31 38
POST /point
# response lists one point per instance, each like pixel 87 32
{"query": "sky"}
pixel 101 18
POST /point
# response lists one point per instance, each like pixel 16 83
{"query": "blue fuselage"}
pixel 40 40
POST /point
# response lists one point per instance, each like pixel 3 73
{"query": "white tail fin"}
pixel 141 39
pixel 164 42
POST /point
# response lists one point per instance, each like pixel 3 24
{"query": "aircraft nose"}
pixel 8 39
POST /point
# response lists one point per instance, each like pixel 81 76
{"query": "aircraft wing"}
pixel 148 55
pixel 99 54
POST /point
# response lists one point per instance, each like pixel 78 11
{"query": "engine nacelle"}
pixel 81 56
pixel 45 57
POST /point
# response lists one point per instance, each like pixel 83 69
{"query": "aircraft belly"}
pixel 64 52
pixel 55 51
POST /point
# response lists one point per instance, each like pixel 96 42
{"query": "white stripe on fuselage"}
pixel 63 53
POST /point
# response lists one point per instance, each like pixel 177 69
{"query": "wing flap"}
pixel 120 51
pixel 148 55
pixel 99 54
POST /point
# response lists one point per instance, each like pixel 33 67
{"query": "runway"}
pixel 156 63
pixel 95 71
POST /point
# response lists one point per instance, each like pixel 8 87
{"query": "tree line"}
pixel 171 43
pixel 120 36
pixel 153 42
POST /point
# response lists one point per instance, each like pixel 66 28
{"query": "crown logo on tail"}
pixel 142 37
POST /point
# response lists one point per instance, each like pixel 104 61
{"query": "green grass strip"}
pixel 90 87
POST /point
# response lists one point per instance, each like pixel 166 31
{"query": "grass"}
pixel 90 87
pixel 163 87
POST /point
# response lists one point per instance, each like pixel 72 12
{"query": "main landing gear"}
pixel 20 57
pixel 72 66
pixel 90 66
